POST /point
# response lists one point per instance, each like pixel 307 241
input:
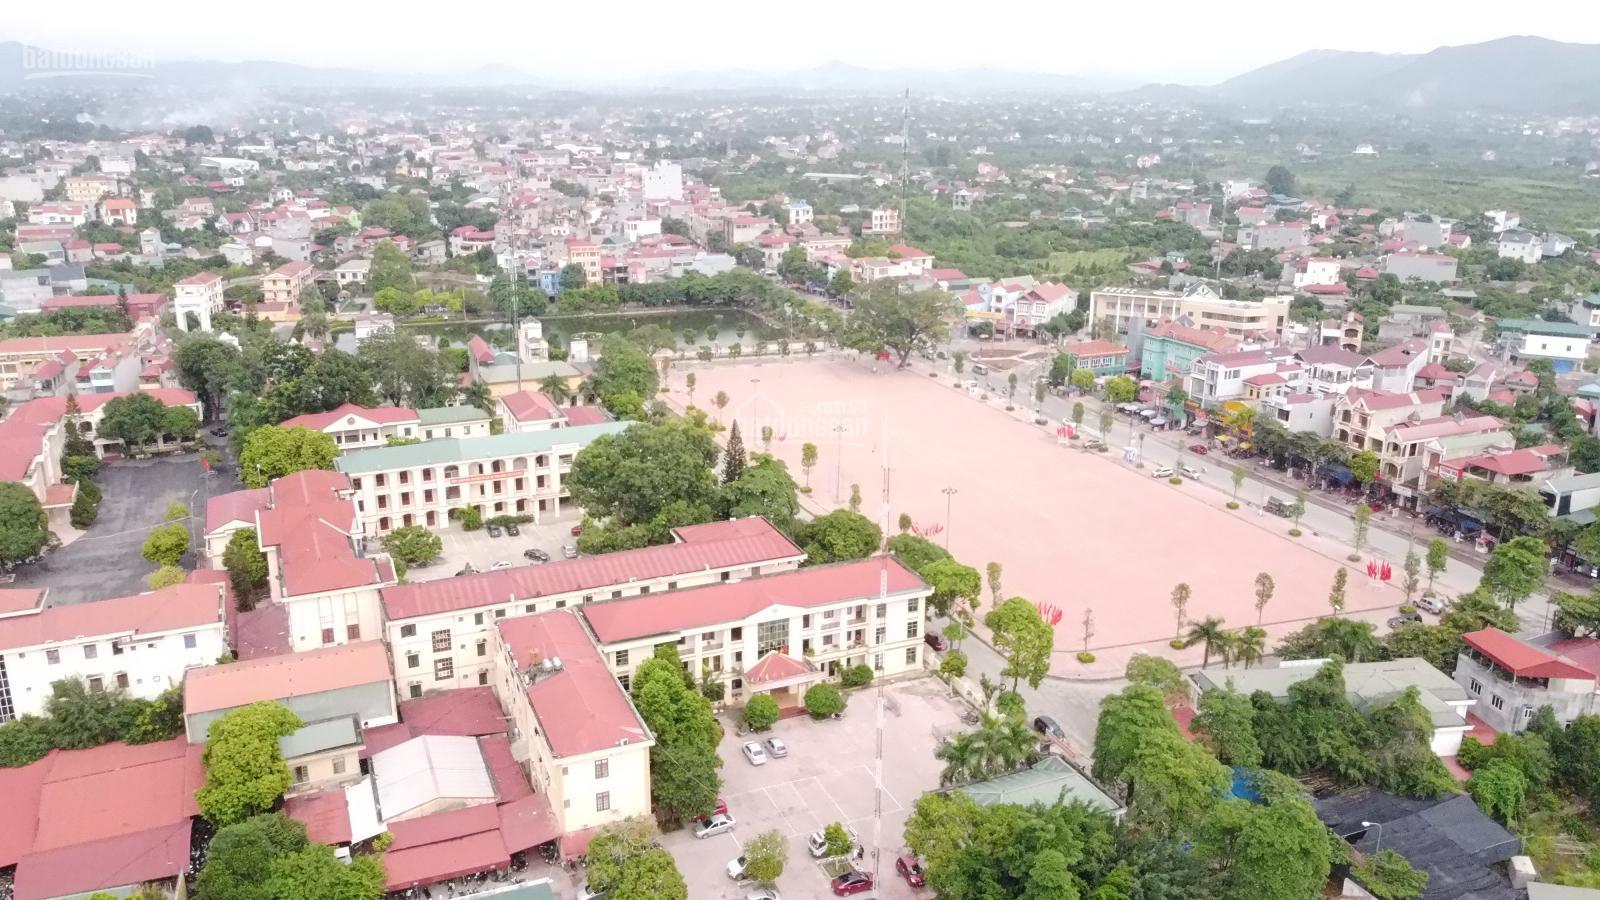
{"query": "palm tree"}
pixel 1243 419
pixel 477 394
pixel 1352 639
pixel 1249 645
pixel 1208 631
pixel 960 758
pixel 556 388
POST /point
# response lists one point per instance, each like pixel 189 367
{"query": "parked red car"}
pixel 851 883
pixel 911 870
pixel 1199 449
pixel 936 641
pixel 721 809
pixel 577 530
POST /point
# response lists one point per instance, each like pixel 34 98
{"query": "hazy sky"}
pixel 1157 40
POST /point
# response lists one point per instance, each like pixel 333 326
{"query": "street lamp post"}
pixel 949 495
pixel 1378 825
pixel 838 459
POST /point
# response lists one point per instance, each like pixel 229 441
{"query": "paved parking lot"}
pixel 828 776
pixel 483 551
pixel 104 562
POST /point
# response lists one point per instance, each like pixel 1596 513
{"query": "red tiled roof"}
pixel 235 506
pixel 149 855
pixel 1584 651
pixel 471 711
pixel 431 863
pixel 530 406
pixel 280 677
pixel 1520 658
pixel 135 301
pixel 326 815
pixel 78 820
pixel 201 277
pixel 691 608
pixel 78 343
pixel 586 415
pixel 945 274
pixel 169 609
pixel 382 415
pixel 443 826
pixel 18 599
pixel 716 545
pixel 775 666
pixel 510 782
pixel 1517 462
pixel 582 707
pixel 527 822
pixel 311 526
pixel 261 632
pixel 480 350
pixel 1094 348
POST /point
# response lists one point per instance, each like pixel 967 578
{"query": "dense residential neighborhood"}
pixel 920 492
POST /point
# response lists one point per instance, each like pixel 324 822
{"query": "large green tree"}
pixel 839 536
pixel 245 771
pixel 1515 570
pixel 764 488
pixel 273 452
pixel 391 270
pixel 684 761
pixel 23 524
pixel 632 477
pixel 246 565
pixel 1275 850
pixel 624 379
pixel 887 318
pixel 406 374
pixel 1225 721
pixel 1024 638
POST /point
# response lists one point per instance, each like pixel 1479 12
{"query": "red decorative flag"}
pixel 1372 569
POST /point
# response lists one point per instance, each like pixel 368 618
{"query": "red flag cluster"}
pixel 1380 571
pixel 1049 613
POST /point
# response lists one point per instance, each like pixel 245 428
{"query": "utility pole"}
pixel 905 156
pixel 516 309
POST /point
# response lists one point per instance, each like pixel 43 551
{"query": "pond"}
pixel 559 329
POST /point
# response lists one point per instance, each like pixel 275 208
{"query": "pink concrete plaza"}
pixel 1072 529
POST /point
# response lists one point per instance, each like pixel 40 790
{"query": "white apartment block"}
pixel 572 726
pixel 141 644
pixel 201 295
pixel 882 221
pixel 1204 308
pixel 439 632
pixel 353 427
pixel 823 619
pixel 504 474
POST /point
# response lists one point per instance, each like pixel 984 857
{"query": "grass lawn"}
pixel 1549 197
pixel 1564 846
pixel 1069 261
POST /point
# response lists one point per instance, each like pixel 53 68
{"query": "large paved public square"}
pixel 1080 531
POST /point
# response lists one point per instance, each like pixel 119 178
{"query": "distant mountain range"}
pixel 1512 73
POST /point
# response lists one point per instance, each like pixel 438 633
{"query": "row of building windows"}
pixel 92 651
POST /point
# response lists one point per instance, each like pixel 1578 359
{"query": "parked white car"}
pixel 754 753
pixel 1431 604
pixel 818 842
pixel 1163 472
pixel 1191 473
pixel 717 824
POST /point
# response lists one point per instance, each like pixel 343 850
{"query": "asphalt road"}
pixel 104 562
